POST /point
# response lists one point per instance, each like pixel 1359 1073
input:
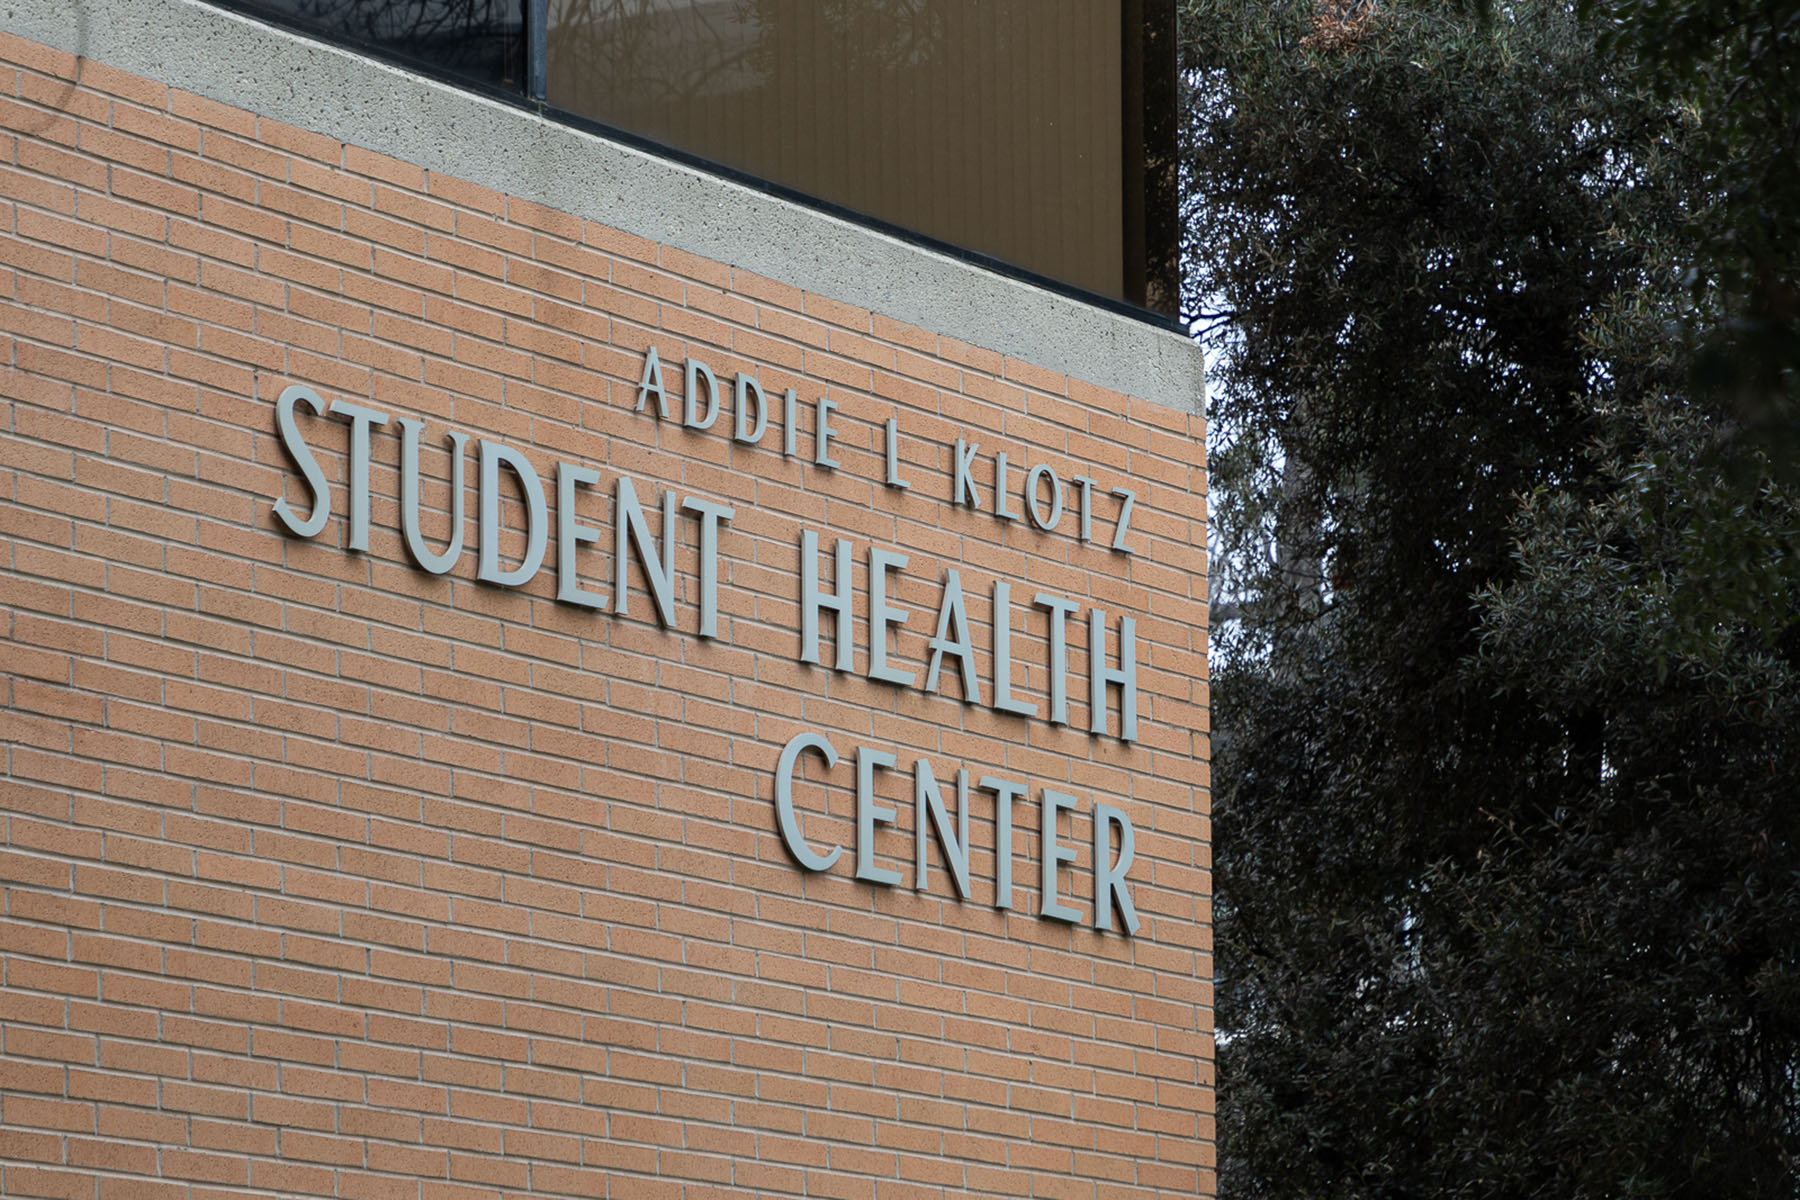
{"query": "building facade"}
pixel 537 669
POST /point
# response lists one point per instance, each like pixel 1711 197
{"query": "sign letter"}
pixel 303 458
pixel 804 854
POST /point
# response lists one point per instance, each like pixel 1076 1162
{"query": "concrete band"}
pixel 335 92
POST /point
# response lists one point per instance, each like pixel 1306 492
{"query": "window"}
pixel 1037 135
pixel 481 41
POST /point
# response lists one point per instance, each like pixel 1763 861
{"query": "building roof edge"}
pixel 385 108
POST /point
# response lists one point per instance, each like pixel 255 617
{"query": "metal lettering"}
pixel 796 845
pixel 790 424
pixel 630 529
pixel 1100 676
pixel 1110 886
pixel 884 616
pixel 869 814
pixel 436 564
pixel 823 434
pixel 1060 611
pixel 952 637
pixel 928 810
pixel 1086 486
pixel 1003 697
pixel 652 383
pixel 536 517
pixel 1054 855
pixel 1002 489
pixel 571 535
pixel 361 421
pixel 1127 500
pixel 1005 792
pixel 964 461
pixel 747 388
pixel 303 458
pixel 891 445
pixel 699 373
pixel 1038 474
pixel 711 516
pixel 813 600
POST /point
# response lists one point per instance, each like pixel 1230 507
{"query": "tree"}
pixel 1737 65
pixel 1508 886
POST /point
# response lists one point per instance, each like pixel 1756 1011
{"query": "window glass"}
pixel 993 125
pixel 481 40
pixel 1038 134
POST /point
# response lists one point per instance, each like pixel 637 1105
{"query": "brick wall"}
pixel 325 876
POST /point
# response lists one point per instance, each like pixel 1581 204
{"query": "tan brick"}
pixel 490 886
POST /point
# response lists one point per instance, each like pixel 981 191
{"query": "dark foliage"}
pixel 1736 63
pixel 1508 709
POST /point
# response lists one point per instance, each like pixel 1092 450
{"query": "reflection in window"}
pixel 481 40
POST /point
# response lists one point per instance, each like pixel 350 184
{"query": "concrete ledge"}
pixel 328 90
